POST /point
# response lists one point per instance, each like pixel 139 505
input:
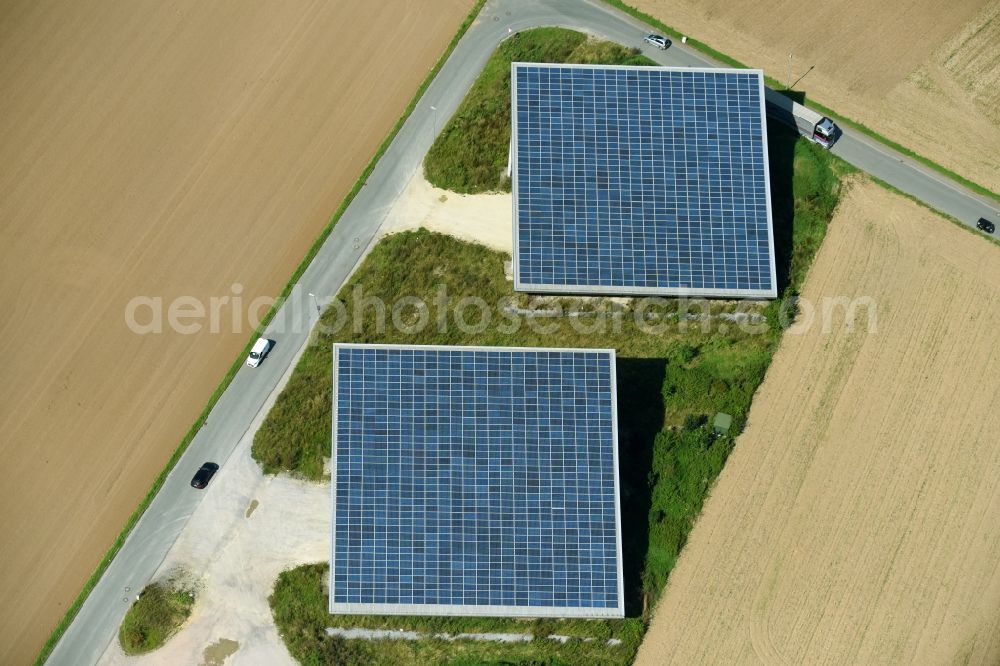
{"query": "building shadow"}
pixel 640 418
pixel 781 140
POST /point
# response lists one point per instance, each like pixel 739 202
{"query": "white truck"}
pixel 818 129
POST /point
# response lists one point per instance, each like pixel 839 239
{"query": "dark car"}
pixel 204 475
pixel 985 225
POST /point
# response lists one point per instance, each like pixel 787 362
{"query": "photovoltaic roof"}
pixel 641 180
pixel 475 481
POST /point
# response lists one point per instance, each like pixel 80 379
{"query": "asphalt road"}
pixel 97 623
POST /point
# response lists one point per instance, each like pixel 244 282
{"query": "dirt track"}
pixel 856 520
pixel 157 149
pixel 923 73
pixel 478 218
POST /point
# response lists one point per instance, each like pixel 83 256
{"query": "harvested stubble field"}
pixel 925 74
pixel 856 520
pixel 158 149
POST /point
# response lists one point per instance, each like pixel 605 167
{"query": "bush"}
pixel 158 613
pixel 694 421
pixel 685 354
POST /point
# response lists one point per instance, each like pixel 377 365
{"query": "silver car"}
pixel 659 41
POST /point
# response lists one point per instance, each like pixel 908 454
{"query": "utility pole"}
pixel 788 79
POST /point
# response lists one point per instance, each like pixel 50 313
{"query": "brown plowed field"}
pixel 856 521
pixel 924 73
pixel 161 149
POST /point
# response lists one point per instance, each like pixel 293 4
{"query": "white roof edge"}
pixel 646 68
pixel 476 611
pixel 626 291
pixel 340 608
pixel 772 251
pixel 381 345
pixel 616 463
pixel 334 418
pixel 622 290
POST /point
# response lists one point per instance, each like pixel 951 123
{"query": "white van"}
pixel 259 351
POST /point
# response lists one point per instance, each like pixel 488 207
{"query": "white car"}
pixel 259 351
pixel 659 41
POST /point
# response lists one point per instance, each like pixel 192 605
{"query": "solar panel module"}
pixel 475 481
pixel 641 180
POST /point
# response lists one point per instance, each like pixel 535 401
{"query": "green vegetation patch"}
pixel 158 613
pixel 427 288
pixel 299 605
pixel 470 153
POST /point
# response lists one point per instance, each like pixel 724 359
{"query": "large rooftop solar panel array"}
pixel 640 180
pixel 475 481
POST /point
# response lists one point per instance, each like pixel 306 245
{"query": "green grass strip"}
pixel 773 83
pixel 74 608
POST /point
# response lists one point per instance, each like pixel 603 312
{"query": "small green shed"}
pixel 721 424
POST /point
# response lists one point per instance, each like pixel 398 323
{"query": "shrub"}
pixel 694 421
pixel 158 613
